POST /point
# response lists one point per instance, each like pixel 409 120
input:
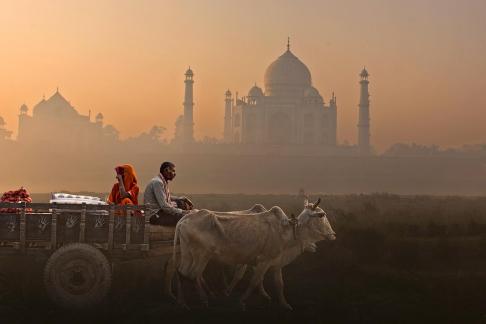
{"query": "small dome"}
pixel 312 96
pixel 255 92
pixel 189 72
pixel 311 92
pixel 99 117
pixel 24 108
pixel 228 93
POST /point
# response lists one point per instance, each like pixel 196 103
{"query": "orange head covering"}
pixel 130 184
pixel 129 176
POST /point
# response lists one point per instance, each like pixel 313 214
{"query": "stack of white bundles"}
pixel 64 198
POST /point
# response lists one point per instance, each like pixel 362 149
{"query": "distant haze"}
pixel 126 59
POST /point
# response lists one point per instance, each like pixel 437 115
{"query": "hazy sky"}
pixel 126 59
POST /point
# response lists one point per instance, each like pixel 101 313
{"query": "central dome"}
pixel 287 76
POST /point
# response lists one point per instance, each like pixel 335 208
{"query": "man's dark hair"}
pixel 166 165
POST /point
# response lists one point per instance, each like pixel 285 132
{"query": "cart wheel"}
pixel 6 287
pixel 77 276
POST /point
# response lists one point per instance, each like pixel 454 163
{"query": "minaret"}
pixel 364 115
pixel 24 121
pixel 333 115
pixel 227 116
pixel 188 107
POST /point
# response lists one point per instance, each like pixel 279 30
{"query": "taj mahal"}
pixel 289 111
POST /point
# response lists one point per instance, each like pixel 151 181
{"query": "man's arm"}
pixel 123 192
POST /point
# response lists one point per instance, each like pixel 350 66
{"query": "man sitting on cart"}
pixel 125 191
pixel 157 194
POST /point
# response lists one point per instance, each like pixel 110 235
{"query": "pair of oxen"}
pixel 266 239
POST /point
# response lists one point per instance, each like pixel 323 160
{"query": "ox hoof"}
pixel 286 306
pixel 183 306
pixel 171 296
pixel 242 306
pixel 267 298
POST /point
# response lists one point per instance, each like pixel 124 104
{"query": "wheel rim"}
pixel 78 277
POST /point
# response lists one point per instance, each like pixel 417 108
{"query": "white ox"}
pixel 269 239
pixel 239 269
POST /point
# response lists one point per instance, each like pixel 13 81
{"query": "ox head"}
pixel 313 223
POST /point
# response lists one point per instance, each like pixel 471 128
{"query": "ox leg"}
pixel 206 287
pixel 168 276
pixel 199 267
pixel 202 292
pixel 257 278
pixel 239 273
pixel 279 285
pixel 180 290
pixel 263 292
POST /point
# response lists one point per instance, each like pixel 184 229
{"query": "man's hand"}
pixel 189 203
pixel 123 193
pixel 119 177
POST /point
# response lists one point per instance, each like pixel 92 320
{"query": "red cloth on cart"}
pixel 15 196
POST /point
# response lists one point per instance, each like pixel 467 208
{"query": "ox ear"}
pixel 314 206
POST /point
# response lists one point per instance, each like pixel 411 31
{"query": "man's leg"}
pixel 164 219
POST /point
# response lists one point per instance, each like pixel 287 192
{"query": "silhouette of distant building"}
pixel 56 122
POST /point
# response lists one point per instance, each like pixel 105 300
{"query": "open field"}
pixel 414 259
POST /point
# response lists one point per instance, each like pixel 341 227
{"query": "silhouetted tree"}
pixel 153 136
pixel 178 131
pixel 210 140
pixel 4 133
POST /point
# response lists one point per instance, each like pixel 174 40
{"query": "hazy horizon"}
pixel 126 59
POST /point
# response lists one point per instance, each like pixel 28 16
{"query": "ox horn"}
pixel 316 203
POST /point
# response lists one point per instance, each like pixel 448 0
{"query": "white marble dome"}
pixel 287 76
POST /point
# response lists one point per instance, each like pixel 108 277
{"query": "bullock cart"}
pixel 79 245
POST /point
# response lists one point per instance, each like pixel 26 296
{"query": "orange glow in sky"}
pixel 127 60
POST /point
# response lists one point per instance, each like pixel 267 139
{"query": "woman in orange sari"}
pixel 125 191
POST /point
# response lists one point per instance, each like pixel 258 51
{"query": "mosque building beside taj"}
pixel 55 122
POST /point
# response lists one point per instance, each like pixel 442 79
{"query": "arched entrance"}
pixel 280 128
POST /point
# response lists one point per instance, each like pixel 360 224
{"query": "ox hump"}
pixel 280 215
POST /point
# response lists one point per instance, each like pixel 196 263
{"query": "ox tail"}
pixel 176 240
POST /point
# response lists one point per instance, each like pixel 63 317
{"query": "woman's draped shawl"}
pixel 131 186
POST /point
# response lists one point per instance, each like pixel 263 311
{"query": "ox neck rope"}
pixel 295 224
pixel 293 221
